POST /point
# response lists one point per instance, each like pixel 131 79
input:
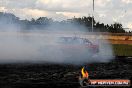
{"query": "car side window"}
pixel 71 40
pixel 87 42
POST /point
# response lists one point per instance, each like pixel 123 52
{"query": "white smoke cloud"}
pixel 37 46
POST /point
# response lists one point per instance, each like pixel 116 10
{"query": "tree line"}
pixel 42 22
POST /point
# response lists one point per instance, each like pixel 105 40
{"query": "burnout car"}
pixel 71 48
pixel 78 44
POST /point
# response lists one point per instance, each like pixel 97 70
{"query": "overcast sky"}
pixel 107 11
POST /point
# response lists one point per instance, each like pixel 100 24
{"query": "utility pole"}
pixel 93 17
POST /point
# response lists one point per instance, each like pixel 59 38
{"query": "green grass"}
pixel 122 50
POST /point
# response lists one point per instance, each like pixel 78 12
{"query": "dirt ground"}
pixel 121 42
pixel 27 75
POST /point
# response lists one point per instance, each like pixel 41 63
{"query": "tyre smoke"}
pixel 40 46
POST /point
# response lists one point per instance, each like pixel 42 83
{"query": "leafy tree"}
pixel 116 28
pixel 41 22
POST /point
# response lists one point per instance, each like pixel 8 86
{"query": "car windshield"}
pixel 73 40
